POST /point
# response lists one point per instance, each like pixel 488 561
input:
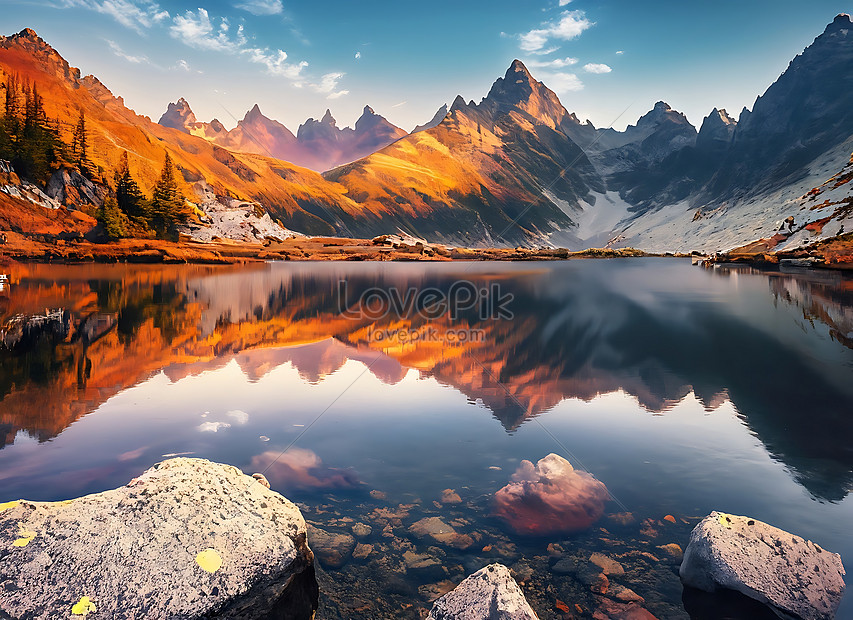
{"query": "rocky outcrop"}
pixel 72 189
pixel 435 121
pixel 551 497
pixel 792 575
pixel 489 594
pixel 12 185
pixel 186 539
pixel 228 218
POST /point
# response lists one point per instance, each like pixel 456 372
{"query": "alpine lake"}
pixel 392 402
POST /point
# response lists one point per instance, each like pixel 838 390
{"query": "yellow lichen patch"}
pixel 83 607
pixel 209 560
pixel 24 536
pixel 726 521
pixel 7 505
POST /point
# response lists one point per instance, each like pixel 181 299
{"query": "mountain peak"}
pixel 368 111
pixel 518 67
pixel 328 119
pixel 458 103
pixel 178 116
pixel 253 114
pixel 435 121
pixel 29 33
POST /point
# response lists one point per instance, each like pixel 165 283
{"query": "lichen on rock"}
pixel 186 539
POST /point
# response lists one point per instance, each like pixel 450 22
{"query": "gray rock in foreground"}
pixel 489 594
pixel 134 551
pixel 793 575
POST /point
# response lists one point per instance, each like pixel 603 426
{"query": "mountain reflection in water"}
pixel 776 345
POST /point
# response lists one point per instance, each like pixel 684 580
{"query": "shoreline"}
pixel 319 249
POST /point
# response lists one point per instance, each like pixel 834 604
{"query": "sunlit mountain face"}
pixel 568 333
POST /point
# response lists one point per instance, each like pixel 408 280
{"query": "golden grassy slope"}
pixel 113 128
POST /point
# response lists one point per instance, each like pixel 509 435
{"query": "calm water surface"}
pixel 684 390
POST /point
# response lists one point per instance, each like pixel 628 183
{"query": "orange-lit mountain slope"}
pixel 300 198
pixel 499 172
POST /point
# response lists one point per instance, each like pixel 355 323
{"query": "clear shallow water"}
pixel 684 390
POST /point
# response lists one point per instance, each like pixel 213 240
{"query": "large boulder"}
pixel 551 497
pixel 792 575
pixel 186 539
pixel 489 594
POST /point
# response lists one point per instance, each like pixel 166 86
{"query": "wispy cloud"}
pixel 118 51
pixel 357 55
pixel 328 86
pixel 276 63
pixel 556 63
pixel 564 2
pixel 199 30
pixel 261 7
pixel 399 105
pixel 594 67
pixel 561 82
pixel 137 15
pixel 568 26
pixel 196 29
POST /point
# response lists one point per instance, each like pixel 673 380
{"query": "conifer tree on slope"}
pixel 168 208
pixel 128 195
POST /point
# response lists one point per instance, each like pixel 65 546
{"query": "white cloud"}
pixel 261 7
pixel 557 63
pixel 399 105
pixel 569 26
pixel 593 67
pixel 182 64
pixel 564 2
pixel 357 55
pixel 276 63
pixel 116 49
pixel 241 417
pixel 620 52
pixel 212 427
pixel 136 15
pixel 329 86
pixel 563 82
pixel 199 31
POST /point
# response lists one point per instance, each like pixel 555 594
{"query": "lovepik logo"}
pixel 460 299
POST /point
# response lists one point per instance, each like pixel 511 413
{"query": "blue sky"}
pixel 609 61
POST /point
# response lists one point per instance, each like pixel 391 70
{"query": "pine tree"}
pixel 27 138
pixel 79 143
pixel 128 195
pixel 167 209
pixel 115 223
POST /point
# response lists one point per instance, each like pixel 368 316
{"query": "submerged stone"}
pixel 551 497
pixel 489 594
pixel 186 539
pixel 765 563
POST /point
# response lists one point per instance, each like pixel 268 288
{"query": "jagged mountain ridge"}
pixel 317 145
pixel 740 180
pixel 517 168
pixel 500 172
